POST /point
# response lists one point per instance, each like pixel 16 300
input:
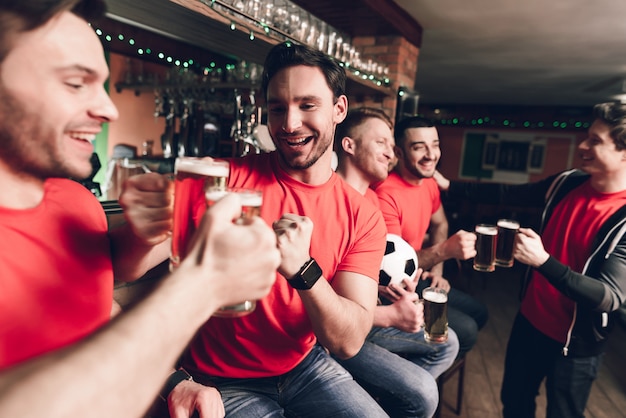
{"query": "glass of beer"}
pixel 507 229
pixel 485 259
pixel 192 178
pixel 251 202
pixel 435 302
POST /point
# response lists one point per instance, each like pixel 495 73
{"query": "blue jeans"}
pixel 399 369
pixel 530 357
pixel 435 358
pixel 317 387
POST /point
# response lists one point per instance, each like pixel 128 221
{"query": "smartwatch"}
pixel 171 382
pixel 308 275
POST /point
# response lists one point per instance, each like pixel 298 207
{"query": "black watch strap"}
pixel 171 382
pixel 308 275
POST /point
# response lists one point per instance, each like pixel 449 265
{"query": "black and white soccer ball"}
pixel 399 261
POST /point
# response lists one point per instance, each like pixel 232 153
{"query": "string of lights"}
pixel 238 21
pixel 522 118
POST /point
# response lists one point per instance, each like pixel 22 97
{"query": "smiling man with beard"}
pixel 411 205
pixel 275 361
pixel 53 104
pixel 60 356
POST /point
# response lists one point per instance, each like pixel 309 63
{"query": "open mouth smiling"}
pixel 83 136
pixel 297 141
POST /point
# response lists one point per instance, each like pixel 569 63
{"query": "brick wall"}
pixel 400 56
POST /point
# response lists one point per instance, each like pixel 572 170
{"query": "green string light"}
pixel 147 51
pixel 506 122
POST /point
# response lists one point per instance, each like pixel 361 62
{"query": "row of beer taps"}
pixel 185 112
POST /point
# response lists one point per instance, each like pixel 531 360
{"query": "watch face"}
pixel 307 276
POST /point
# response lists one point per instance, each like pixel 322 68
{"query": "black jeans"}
pixel 530 357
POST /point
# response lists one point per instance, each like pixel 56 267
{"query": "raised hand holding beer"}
pixel 216 242
pixel 147 203
pixel 529 248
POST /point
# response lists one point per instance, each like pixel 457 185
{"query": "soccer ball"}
pixel 399 261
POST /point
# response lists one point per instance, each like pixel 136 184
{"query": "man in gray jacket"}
pixel 577 271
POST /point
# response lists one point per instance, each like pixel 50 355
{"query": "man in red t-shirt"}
pixel 411 205
pixel 59 354
pixel 406 365
pixel 576 279
pixel 274 361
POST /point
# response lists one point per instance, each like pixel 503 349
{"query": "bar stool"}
pixel 457 366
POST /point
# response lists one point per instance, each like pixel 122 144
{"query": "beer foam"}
pixel 203 167
pixel 435 297
pixel 508 224
pixel 251 199
pixel 248 198
pixel 215 195
pixel 486 230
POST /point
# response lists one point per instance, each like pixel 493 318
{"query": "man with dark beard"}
pixel 406 365
pixel 59 354
pixel 411 205
pixel 275 361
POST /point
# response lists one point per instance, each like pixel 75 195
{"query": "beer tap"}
pixel 248 142
pixel 235 130
pixel 167 139
pixel 158 104
pixel 184 147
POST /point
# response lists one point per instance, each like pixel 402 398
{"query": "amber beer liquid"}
pixel 507 229
pixel 251 202
pixel 193 176
pixel 485 259
pixel 435 314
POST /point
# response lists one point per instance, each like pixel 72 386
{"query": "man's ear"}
pixel 347 144
pixel 340 109
pixel 398 151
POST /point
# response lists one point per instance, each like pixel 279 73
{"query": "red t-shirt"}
pixel 568 237
pixel 348 234
pixel 56 284
pixel 371 196
pixel 407 208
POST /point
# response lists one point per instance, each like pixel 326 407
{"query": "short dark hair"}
pixel 354 118
pixel 25 15
pixel 408 123
pixel 614 115
pixel 288 54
